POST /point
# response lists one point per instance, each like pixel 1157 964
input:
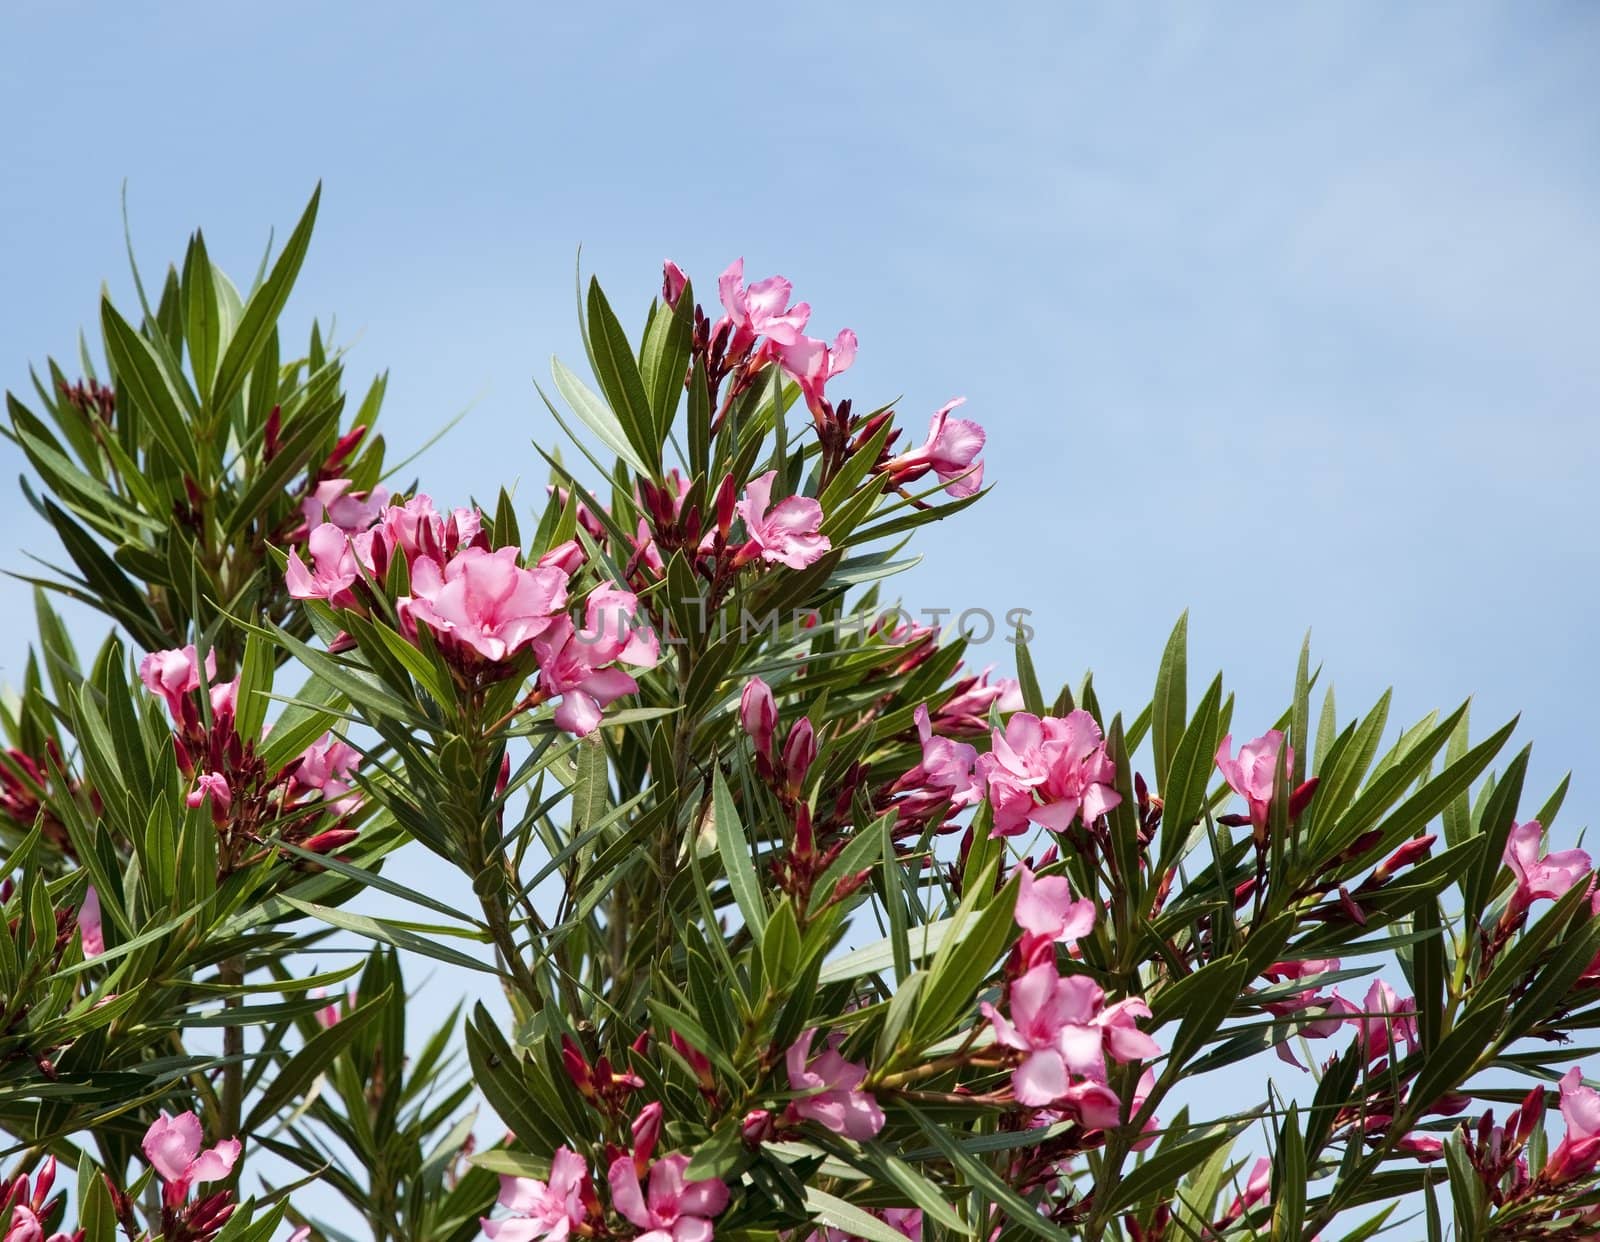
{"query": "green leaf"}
pixel 966 958
pixel 1021 1213
pixel 1184 793
pixel 735 852
pixel 619 378
pixel 596 416
pixel 143 376
pixel 1170 711
pixel 261 312
pixel 664 359
pixel 202 324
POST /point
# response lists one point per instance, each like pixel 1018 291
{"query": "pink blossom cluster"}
pixel 666 1207
pixel 831 1090
pixel 1049 772
pixel 483 606
pixel 174 1147
pixel 222 764
pixel 1064 1032
pixel 1538 876
pixel 1383 1022
pixel 759 326
pixel 1253 776
pixel 26 1198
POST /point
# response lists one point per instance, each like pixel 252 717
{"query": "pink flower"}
pixel 326 767
pixel 1423 1147
pixel 1384 1021
pixel 967 710
pixel 417 529
pixel 577 667
pixel 1046 910
pixel 568 557
pixel 333 502
pixel 947 765
pixel 1253 774
pixel 1539 876
pixel 950 451
pixel 1256 1189
pixel 1048 772
pixel 676 1211
pixel 785 533
pixel 1333 1009
pixel 758 714
pixel 812 363
pixel 485 600
pixel 214 784
pixel 833 1099
pixel 761 310
pixel 337 562
pixel 1049 1021
pixel 172 1145
pixel 90 932
pixel 328 1016
pixel 543 1210
pixel 673 282
pixel 174 675
pixel 1579 1150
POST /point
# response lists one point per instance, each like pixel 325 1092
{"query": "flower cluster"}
pixel 175 1148
pixel 1049 772
pixel 307 802
pixel 25 1206
pixel 1064 1031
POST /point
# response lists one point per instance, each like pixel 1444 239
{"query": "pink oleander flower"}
pixel 417 529
pixel 174 675
pixel 761 310
pixel 673 282
pixel 832 1083
pixel 484 600
pixel 967 710
pixel 1578 1153
pixel 327 768
pixel 1048 771
pixel 1541 876
pixel 28 1199
pixel 547 1211
pixel 758 715
pixel 785 533
pixel 1421 1147
pixel 172 1145
pixel 338 561
pixel 675 1210
pixel 1256 1190
pixel 91 933
pixel 215 786
pixel 950 451
pixel 1049 1022
pixel 328 1016
pixel 947 765
pixel 333 502
pixel 1253 774
pixel 1046 909
pixel 812 363
pixel 1333 1009
pixel 1384 1021
pixel 578 667
pixel 1067 1030
pixel 569 557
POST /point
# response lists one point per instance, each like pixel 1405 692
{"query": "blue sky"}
pixel 1287 320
